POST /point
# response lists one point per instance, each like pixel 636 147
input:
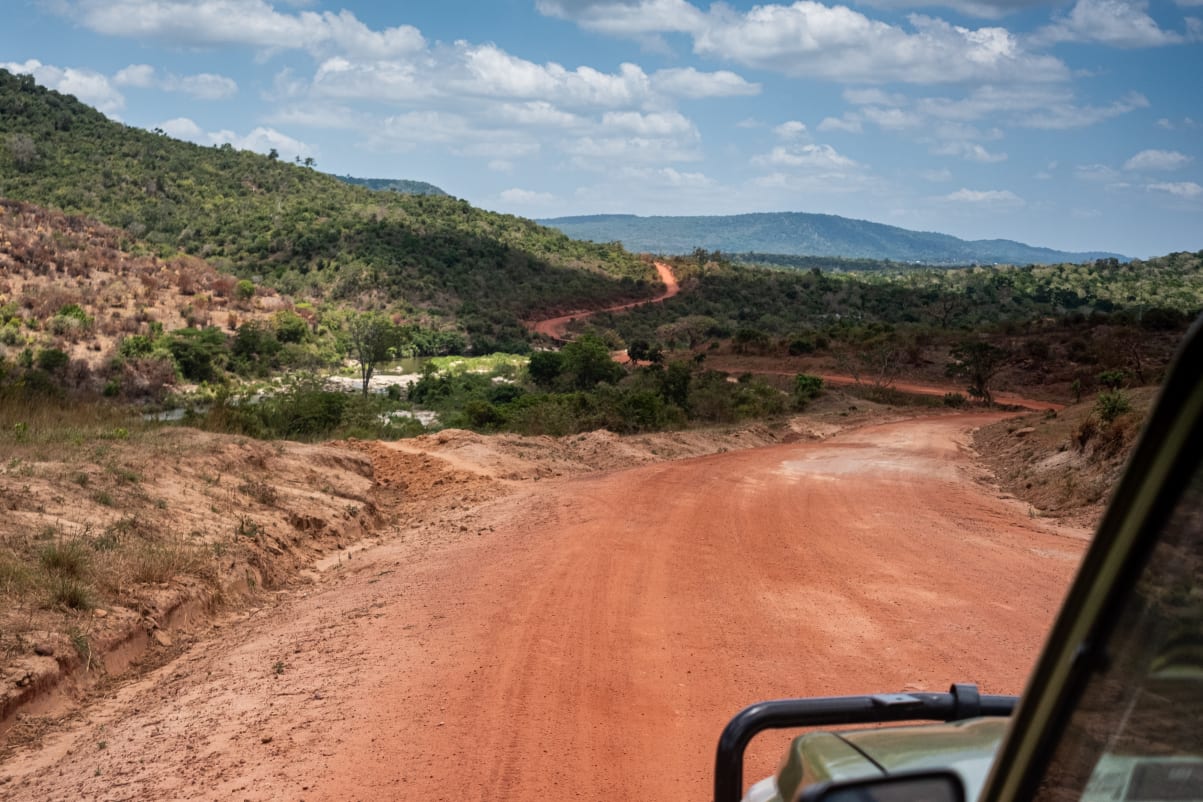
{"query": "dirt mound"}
pixel 1065 463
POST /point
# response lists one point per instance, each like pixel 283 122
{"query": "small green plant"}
pixel 65 558
pixel 247 527
pixel 71 593
pixel 1110 404
pixel 79 640
pixel 278 667
pixel 104 498
pixel 955 400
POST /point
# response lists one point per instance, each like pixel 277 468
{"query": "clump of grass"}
pixel 68 559
pixel 162 563
pixel 261 491
pixel 71 593
pixel 15 576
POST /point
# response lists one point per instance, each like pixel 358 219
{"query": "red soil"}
pixel 589 637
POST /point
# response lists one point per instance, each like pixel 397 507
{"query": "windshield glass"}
pixel 1136 734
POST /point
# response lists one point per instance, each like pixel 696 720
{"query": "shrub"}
pixel 68 558
pixel 1110 404
pixel 955 400
pixel 52 359
pixel 806 389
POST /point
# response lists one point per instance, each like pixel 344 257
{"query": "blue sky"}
pixel 1075 125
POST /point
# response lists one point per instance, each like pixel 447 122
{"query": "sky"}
pixel 1075 124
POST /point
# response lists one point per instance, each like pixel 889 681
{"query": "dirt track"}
pixel 589 639
pixel 557 327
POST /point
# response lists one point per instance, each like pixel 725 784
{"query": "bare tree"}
pixel 22 150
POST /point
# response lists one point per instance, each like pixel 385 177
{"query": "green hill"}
pixel 402 185
pixel 801 234
pixel 435 258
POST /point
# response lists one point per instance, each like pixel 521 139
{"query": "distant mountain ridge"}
pixel 402 185
pixel 805 234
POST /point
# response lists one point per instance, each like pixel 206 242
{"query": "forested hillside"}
pixel 402 185
pixel 720 298
pixel 801 234
pixel 303 232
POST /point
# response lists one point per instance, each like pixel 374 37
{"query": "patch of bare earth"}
pixel 541 619
pixel 1063 463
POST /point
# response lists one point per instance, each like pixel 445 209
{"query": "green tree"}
pixel 370 338
pixel 806 389
pixel 545 367
pixel 977 362
pixel 587 361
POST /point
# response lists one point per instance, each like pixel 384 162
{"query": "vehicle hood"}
pixel 966 747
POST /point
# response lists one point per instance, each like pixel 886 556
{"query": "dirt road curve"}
pixel 557 327
pixel 592 643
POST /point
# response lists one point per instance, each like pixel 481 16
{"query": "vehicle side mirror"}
pixel 924 786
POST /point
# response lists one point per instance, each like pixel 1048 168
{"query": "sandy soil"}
pixel 557 327
pixel 588 636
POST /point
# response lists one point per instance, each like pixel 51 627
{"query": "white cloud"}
pixel 691 83
pixel 1181 189
pixel 600 153
pixel 204 86
pixel 970 151
pixel 847 123
pixel 627 17
pixel 1096 172
pixel 1157 160
pixel 667 177
pixel 989 9
pixel 253 23
pixel 837 43
pixel 495 73
pixel 1070 116
pixel 183 128
pixel 526 197
pixel 791 129
pixel 86 85
pixel 139 75
pixel 988 197
pixel 890 119
pixel 874 97
pixel 653 124
pixel 538 113
pixel 262 140
pixel 936 176
pixel 1049 107
pixel 808 38
pixel 821 157
pixel 395 81
pixel 1118 23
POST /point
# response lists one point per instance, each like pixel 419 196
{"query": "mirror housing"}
pixel 922 786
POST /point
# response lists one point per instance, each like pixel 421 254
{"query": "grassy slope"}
pixel 302 231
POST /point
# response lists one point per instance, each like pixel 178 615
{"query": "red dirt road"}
pixel 591 640
pixel 557 327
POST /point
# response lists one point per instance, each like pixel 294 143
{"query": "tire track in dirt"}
pixel 593 644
